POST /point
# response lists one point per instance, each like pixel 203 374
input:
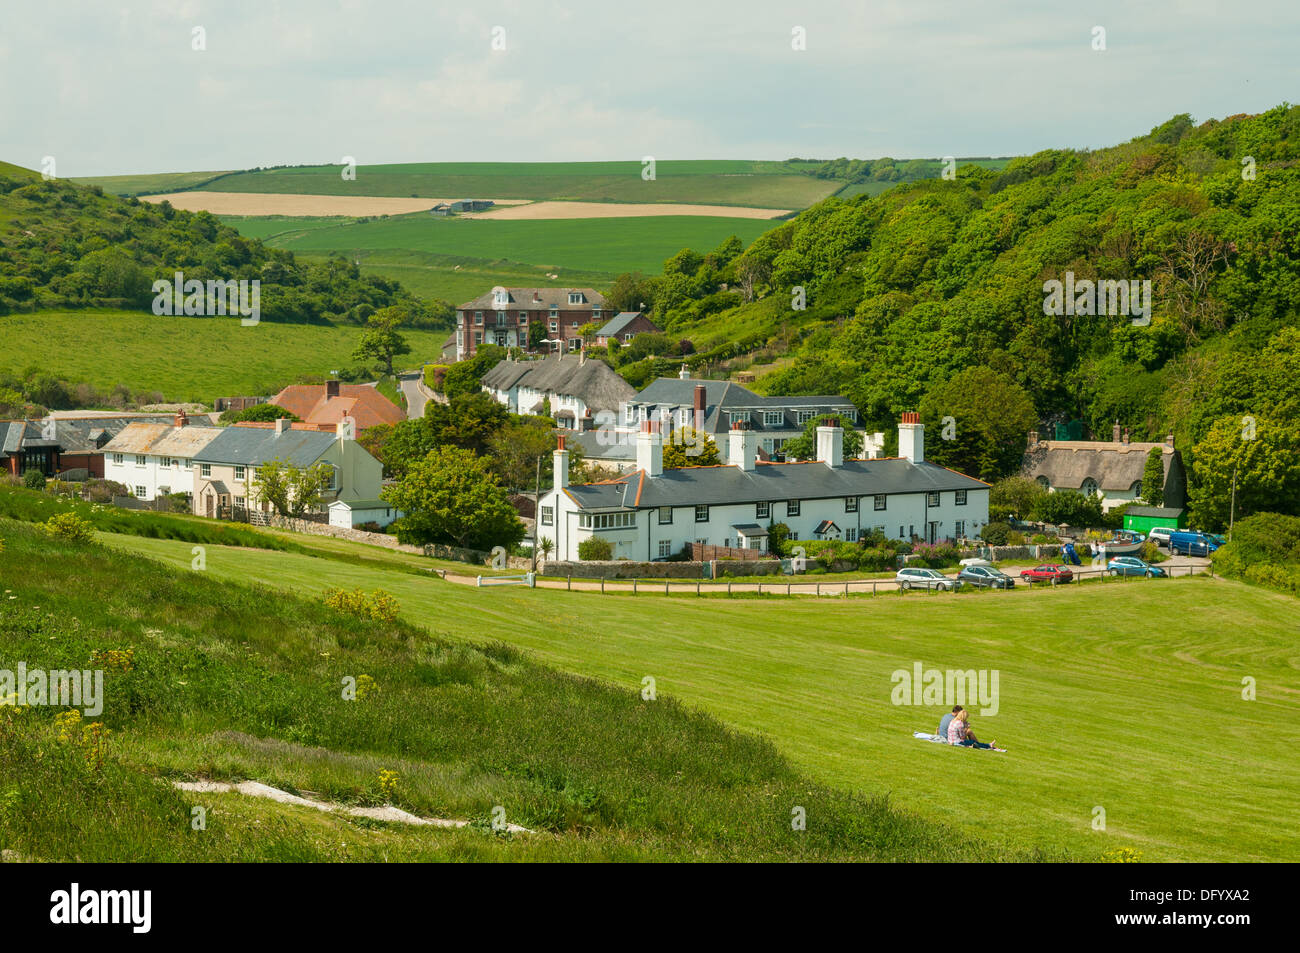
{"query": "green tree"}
pixel 515 449
pixel 1264 453
pixel 380 340
pixel 468 421
pixel 976 422
pixel 687 447
pixel 451 496
pixel 1153 478
pixel 464 377
pixel 292 490
pixel 1015 496
pixel 260 412
pixel 1071 508
pixel 804 446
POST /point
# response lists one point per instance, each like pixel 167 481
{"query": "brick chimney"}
pixel 561 460
pixel 742 448
pixel 911 437
pixel 1033 439
pixel 1114 433
pixel 331 388
pixel 699 405
pixel 1126 436
pixel 830 442
pixel 180 420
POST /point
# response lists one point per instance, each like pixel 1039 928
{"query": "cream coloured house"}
pixel 225 471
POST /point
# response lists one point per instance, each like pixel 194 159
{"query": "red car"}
pixel 1052 573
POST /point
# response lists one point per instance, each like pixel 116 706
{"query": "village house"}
pixel 225 470
pixel 653 513
pixel 1110 471
pixel 504 316
pixel 153 460
pixel 624 326
pixel 713 407
pixel 64 444
pixel 570 388
pixel 333 401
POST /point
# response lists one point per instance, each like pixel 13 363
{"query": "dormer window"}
pixel 575 297
pixel 500 298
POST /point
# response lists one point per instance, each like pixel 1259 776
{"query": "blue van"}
pixel 1191 543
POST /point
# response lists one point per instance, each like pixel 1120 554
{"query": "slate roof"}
pixel 720 485
pixel 594 382
pixel 72 434
pixel 253 446
pixel 521 299
pixel 723 397
pixel 617 323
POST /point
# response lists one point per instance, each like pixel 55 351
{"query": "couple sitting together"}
pixel 955 728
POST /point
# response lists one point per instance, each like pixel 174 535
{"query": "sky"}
pixel 115 88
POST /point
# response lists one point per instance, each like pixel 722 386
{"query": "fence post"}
pixel 634 587
pixel 787 589
pixel 760 588
pixel 846 589
pixel 697 587
pixel 569 584
pixel 665 586
pixel 602 585
pixel 873 587
pixel 728 587
pixel 819 588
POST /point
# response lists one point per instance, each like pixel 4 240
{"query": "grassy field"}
pixel 721 182
pixel 1103 702
pixel 148 184
pixel 228 680
pixel 184 358
pixel 602 245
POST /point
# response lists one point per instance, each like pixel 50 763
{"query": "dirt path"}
pixel 385 813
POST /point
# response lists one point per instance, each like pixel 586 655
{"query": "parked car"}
pixel 1160 535
pixel 1048 573
pixel 1191 543
pixel 1132 566
pixel 917 578
pixel 986 577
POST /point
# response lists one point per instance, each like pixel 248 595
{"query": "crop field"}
pixel 1100 704
pixel 149 183
pixel 711 182
pixel 185 358
pixel 608 245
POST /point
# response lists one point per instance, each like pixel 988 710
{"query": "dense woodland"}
pixel 931 296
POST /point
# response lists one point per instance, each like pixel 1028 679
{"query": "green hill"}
pixel 226 681
pixel 907 290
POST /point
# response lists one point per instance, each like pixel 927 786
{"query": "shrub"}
pixel 595 548
pixel 995 534
pixel 936 555
pixel 1150 552
pixel 70 526
pixel 877 559
pixel 379 605
pixel 34 480
pixel 1015 538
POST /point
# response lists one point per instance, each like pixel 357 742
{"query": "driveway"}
pixel 416 393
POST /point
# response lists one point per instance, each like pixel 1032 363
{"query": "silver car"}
pixel 917 578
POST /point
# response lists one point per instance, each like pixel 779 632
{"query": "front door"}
pixel 932 535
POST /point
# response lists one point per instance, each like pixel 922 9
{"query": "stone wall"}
pixel 432 550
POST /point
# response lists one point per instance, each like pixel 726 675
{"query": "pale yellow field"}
pixel 257 203
pixel 535 211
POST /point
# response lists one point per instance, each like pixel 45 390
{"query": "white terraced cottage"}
pixel 652 513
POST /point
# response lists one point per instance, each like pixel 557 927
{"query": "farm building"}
pixel 1111 471
pixel 1143 519
pixel 354 513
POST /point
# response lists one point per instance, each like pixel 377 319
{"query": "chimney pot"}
pixel 911 437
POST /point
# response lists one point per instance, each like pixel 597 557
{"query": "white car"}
pixel 917 578
pixel 1160 536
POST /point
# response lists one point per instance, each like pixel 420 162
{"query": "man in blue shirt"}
pixel 943 723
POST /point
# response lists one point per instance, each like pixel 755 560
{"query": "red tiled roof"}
pixel 364 404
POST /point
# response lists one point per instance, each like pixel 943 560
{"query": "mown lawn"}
pixel 184 358
pixel 1123 697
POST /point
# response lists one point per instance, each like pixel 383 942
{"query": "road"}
pixel 415 392
pixel 824 586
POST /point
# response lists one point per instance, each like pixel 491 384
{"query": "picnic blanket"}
pixel 936 739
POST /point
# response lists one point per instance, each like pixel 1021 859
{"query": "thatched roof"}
pixel 1066 464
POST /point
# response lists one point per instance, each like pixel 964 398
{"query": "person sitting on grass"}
pixel 960 733
pixel 947 720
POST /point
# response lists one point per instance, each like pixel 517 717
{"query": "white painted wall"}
pixel 179 476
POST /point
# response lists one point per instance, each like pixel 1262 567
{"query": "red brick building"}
pixel 505 316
